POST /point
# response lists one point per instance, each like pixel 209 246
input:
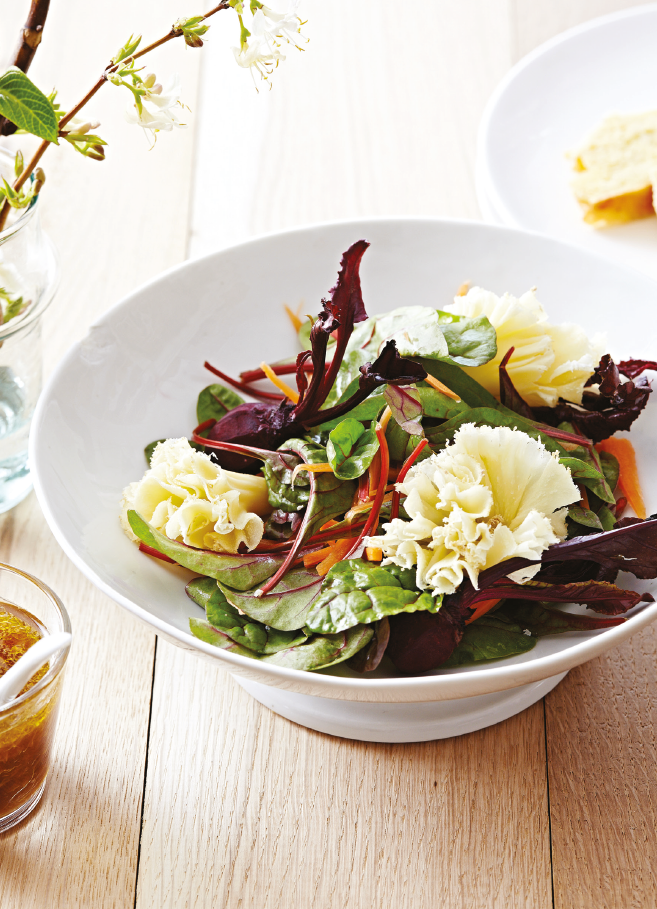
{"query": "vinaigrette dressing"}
pixel 25 731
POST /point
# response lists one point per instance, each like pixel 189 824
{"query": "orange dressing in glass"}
pixel 25 730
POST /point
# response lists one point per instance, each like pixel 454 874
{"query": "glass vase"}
pixel 28 281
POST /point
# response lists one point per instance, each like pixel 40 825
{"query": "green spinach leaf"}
pixel 351 449
pixel 358 592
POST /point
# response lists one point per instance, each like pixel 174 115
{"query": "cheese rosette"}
pixel 549 361
pixel 188 497
pixel 493 494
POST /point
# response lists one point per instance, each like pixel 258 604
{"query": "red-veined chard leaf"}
pixel 359 592
pixel 287 607
pixel 351 448
pixel 323 650
pixel 241 629
pixel 540 620
pixel 441 435
pixel 405 404
pixel 584 516
pixel 600 596
pixel 204 631
pixel 239 571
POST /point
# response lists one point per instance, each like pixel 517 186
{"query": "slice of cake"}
pixel 616 170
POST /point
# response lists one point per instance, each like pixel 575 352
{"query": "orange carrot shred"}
pixel 314 558
pixel 628 478
pixel 294 317
pixel 481 609
pixel 339 550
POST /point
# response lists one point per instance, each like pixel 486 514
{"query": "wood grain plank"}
pixel 533 23
pixel 246 809
pixel 243 808
pixel 602 747
pixel 114 227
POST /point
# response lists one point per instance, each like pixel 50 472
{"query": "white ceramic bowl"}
pixel 544 107
pixel 137 374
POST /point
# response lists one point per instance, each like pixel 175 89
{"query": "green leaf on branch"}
pixel 128 49
pixel 26 105
pixel 351 449
pixel 584 516
pixel 358 592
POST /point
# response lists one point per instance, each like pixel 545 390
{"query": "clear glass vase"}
pixel 28 281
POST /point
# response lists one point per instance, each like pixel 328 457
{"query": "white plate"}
pixel 137 374
pixel 545 106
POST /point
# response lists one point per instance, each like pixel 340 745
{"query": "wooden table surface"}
pixel 170 787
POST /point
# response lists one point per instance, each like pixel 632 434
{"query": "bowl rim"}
pixel 410 688
pixel 486 187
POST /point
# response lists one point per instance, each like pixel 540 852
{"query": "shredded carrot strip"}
pixel 339 550
pixel 314 558
pixel 373 554
pixel 628 479
pixel 311 468
pixel 330 523
pixel 279 383
pixel 584 497
pixel 366 506
pixel 294 316
pixel 374 474
pixel 481 609
pixel 442 388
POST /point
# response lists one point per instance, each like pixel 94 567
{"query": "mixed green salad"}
pixel 428 493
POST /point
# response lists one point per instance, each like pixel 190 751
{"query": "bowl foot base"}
pixel 421 722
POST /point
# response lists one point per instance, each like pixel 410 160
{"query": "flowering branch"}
pixel 189 29
pixel 30 39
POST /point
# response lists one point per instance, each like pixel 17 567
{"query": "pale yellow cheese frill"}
pixel 548 362
pixel 494 494
pixel 189 498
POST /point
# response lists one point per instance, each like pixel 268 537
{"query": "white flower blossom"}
pixel 159 104
pixel 269 30
pixel 494 494
pixel 549 361
pixel 189 498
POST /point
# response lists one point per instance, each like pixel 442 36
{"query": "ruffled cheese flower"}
pixel 549 361
pixel 188 497
pixel 494 494
pixel 159 106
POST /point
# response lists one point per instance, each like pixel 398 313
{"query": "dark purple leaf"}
pixel 388 369
pixel 420 641
pixel 261 427
pixel 614 409
pixel 597 595
pixel 345 307
pixel 634 368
